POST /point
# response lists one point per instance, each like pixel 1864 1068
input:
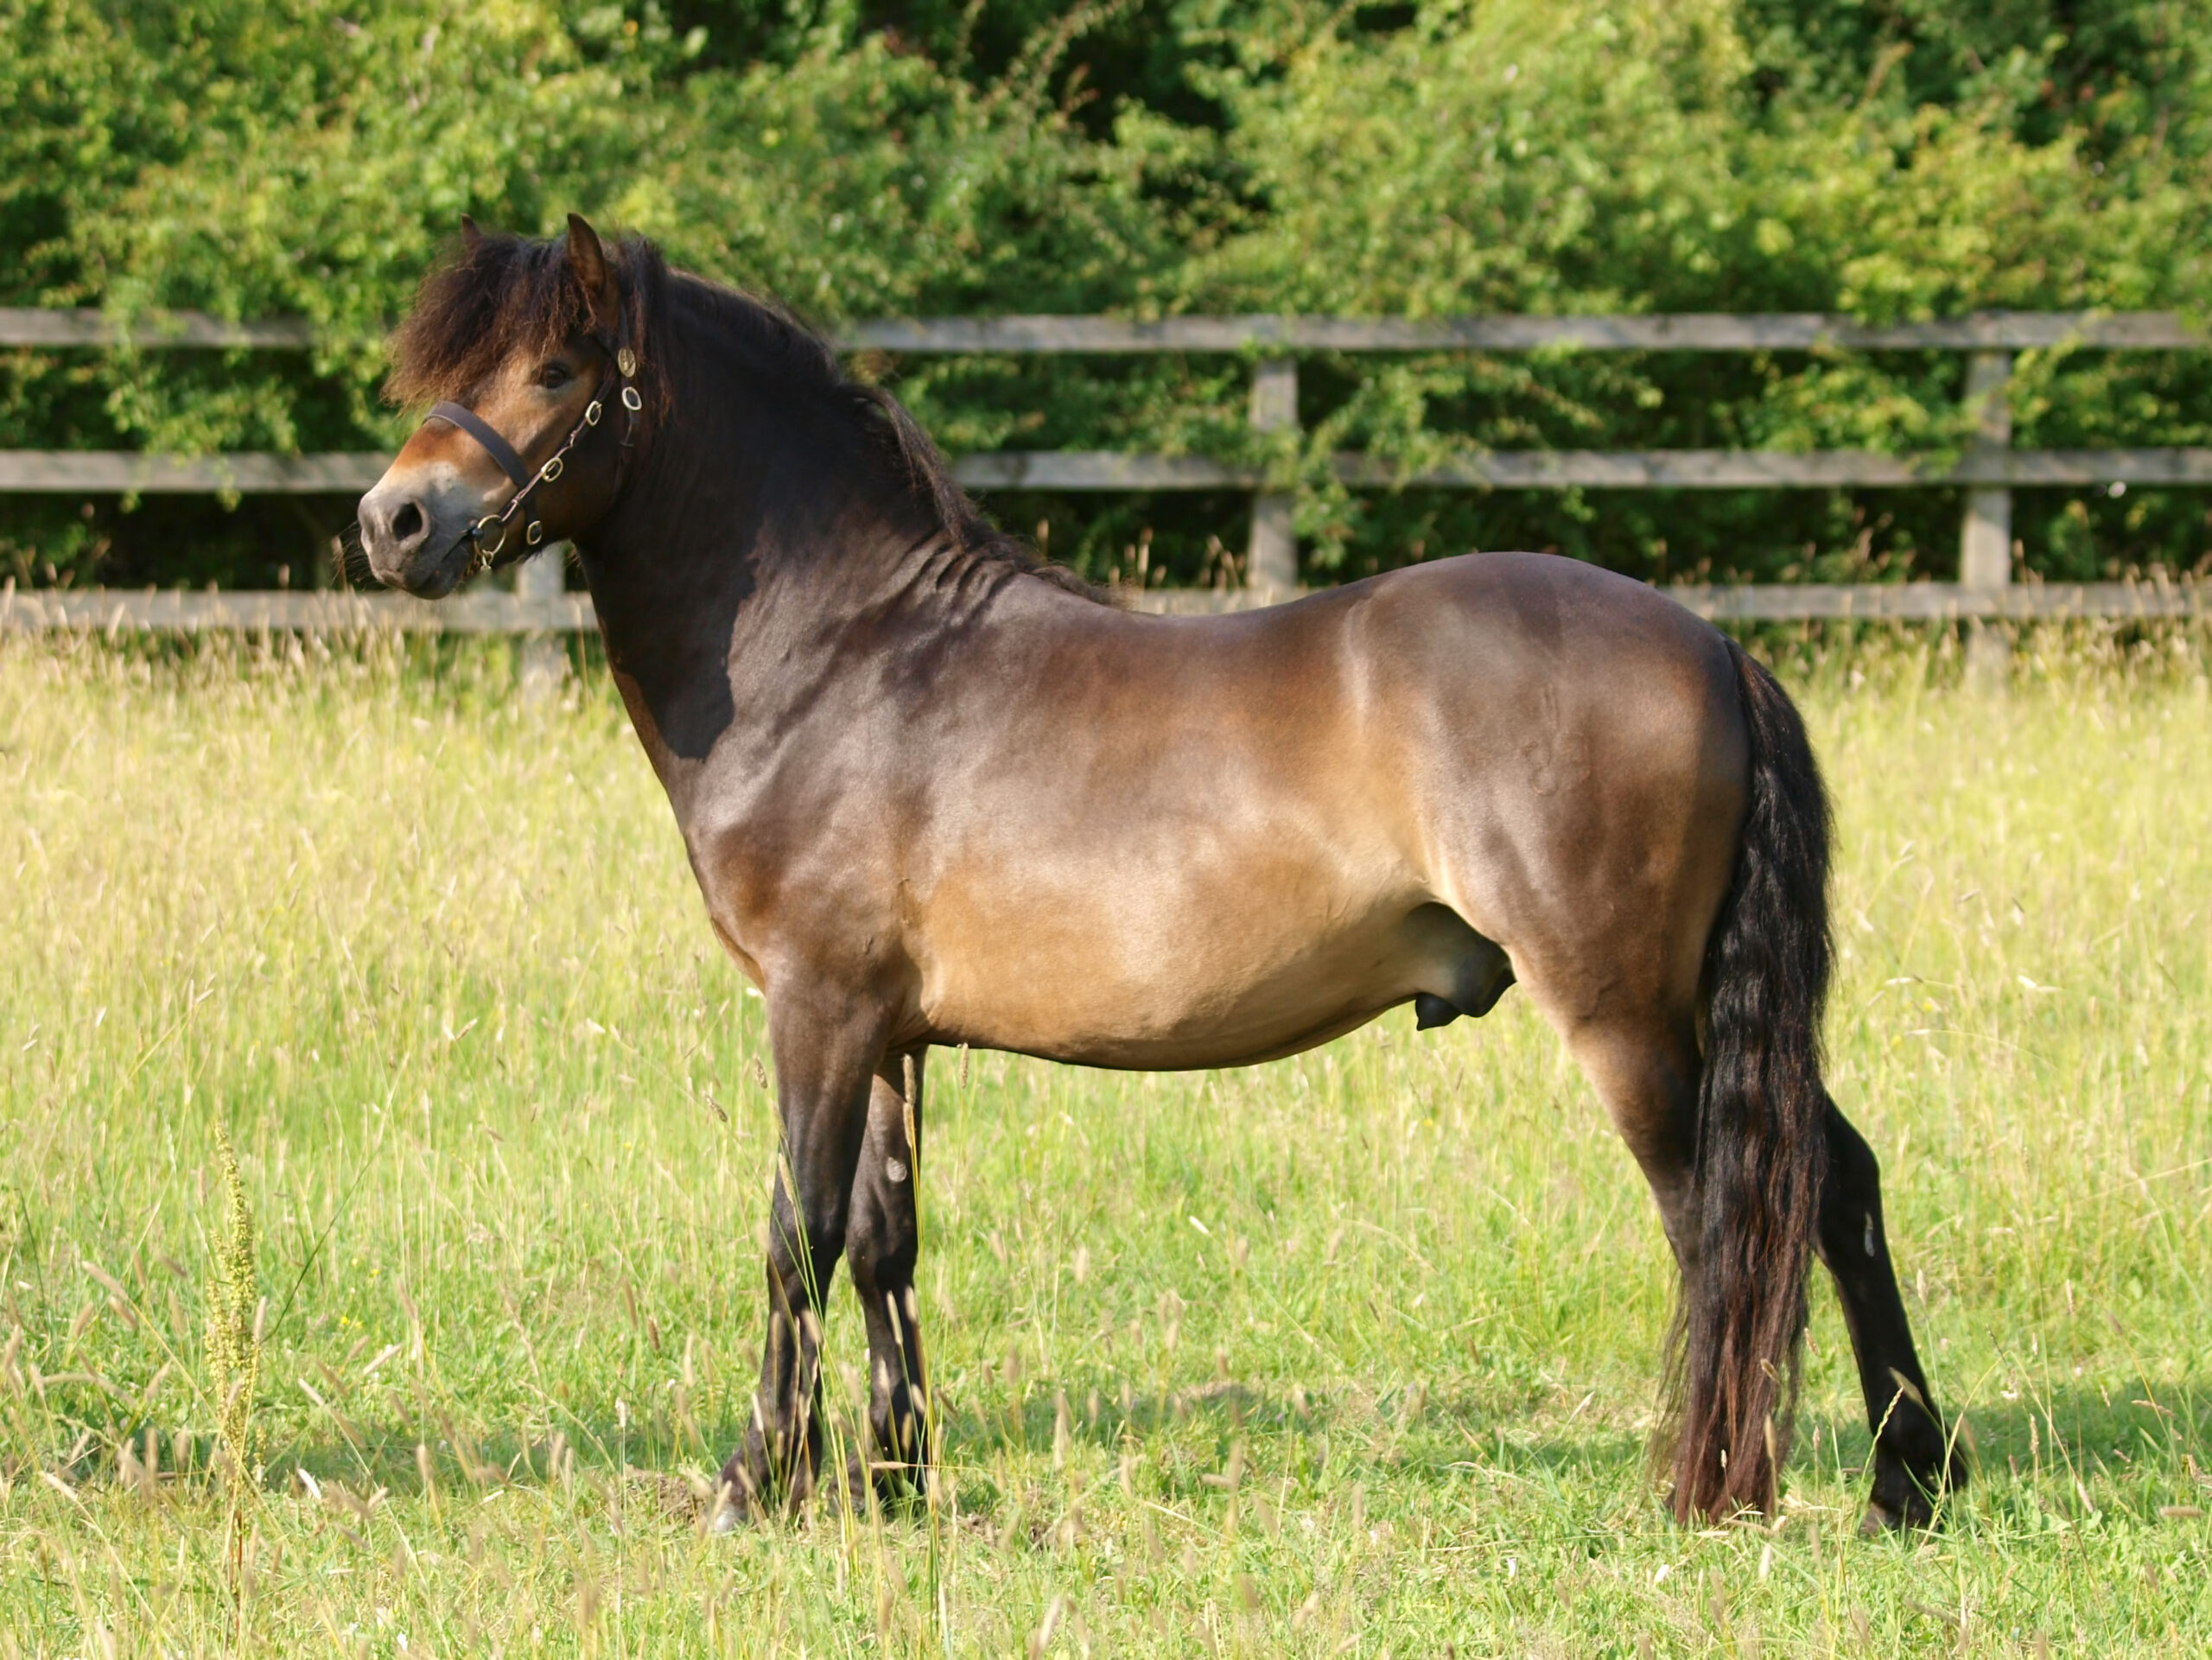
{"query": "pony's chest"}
pixel 786 897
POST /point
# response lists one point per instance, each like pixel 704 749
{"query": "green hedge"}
pixel 1905 159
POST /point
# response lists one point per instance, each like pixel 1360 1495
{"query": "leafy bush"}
pixel 1147 157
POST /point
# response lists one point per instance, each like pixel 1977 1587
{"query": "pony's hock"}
pixel 935 793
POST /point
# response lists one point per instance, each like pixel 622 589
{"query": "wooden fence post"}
pixel 1985 538
pixel 1271 556
pixel 545 654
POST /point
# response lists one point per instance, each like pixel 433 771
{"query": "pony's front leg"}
pixel 828 1051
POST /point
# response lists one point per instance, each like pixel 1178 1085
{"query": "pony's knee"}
pixel 804 1247
pixel 877 1268
pixel 880 1251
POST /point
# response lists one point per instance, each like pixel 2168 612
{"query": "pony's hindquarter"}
pixel 1760 1145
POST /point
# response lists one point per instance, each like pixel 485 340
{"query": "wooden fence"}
pixel 1989 469
pixel 532 609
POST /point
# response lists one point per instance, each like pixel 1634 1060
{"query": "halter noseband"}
pixel 492 528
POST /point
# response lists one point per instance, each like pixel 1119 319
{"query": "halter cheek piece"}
pixel 487 536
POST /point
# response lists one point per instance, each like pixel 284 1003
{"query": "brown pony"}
pixel 937 794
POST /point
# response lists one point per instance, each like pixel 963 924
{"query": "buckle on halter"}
pixel 632 401
pixel 476 535
pixel 591 413
pixel 551 470
pixel 535 534
pixel 626 361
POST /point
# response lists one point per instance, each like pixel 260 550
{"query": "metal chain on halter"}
pixel 497 555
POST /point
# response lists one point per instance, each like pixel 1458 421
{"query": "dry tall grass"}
pixel 1353 1353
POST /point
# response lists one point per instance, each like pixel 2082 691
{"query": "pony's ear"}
pixel 471 237
pixel 587 258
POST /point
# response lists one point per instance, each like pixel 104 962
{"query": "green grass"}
pixel 1353 1353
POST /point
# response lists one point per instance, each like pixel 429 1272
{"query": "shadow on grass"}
pixel 2072 1442
pixel 2139 1451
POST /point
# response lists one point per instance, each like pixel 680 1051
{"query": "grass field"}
pixel 1354 1353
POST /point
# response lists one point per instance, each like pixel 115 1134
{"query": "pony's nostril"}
pixel 407 522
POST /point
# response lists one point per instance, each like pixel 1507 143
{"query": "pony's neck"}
pixel 753 544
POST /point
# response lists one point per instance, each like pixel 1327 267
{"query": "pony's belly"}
pixel 1241 990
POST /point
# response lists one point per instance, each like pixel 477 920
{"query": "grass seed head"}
pixel 234 1322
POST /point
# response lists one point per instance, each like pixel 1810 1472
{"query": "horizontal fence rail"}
pixel 68 472
pixel 1618 470
pixel 123 472
pixel 1987 331
pixel 496 611
pixel 1680 331
pixel 25 326
pixel 1988 469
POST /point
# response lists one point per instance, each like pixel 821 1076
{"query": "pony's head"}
pixel 526 353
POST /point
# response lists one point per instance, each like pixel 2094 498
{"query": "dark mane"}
pixel 502 296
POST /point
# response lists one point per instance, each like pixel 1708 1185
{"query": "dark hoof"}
pixel 1916 1515
pixel 1902 1502
pixel 900 1488
pixel 738 1500
pixel 752 1488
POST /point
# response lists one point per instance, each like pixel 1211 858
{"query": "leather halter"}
pixel 493 528
pixel 486 435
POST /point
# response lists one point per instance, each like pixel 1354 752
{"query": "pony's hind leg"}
pixel 882 1242
pixel 1645 1072
pixel 1913 1459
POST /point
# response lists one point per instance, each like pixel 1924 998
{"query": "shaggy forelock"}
pixel 505 297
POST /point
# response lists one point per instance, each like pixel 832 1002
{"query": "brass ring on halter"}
pixel 551 470
pixel 476 535
pixel 632 401
pixel 591 413
pixel 535 534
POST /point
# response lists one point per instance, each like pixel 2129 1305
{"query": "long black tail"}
pixel 1761 1143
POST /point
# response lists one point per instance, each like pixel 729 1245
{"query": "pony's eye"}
pixel 554 375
